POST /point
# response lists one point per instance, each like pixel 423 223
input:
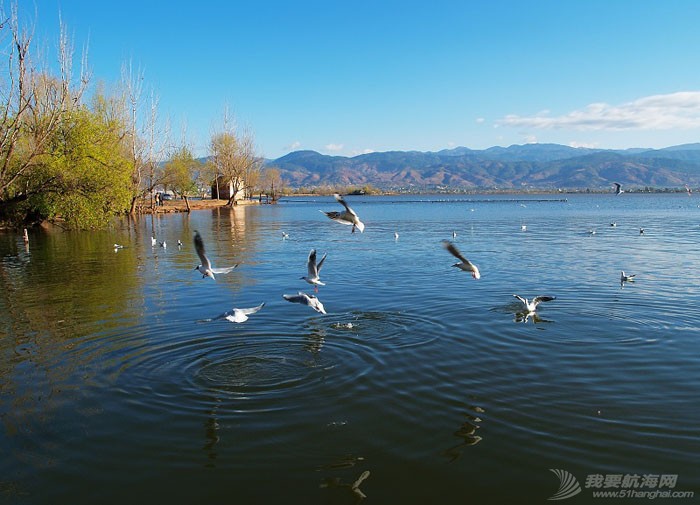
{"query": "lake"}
pixel 115 390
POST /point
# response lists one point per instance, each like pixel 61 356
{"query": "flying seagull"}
pixel 464 264
pixel 618 188
pixel 305 299
pixel 531 306
pixel 348 217
pixel 314 269
pixel 205 268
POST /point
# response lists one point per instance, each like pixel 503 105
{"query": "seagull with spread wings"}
pixel 531 306
pixel 348 217
pixel 464 263
pixel 237 315
pixel 314 270
pixel 205 268
pixel 305 299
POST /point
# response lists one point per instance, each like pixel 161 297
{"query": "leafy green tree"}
pixel 88 170
pixel 179 174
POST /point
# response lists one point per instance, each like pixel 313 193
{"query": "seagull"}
pixel 205 268
pixel 591 232
pixel 348 217
pixel 285 235
pixel 117 246
pixel 531 306
pixel 237 315
pixel 163 244
pixel 464 264
pixel 523 227
pixel 396 235
pixel 613 224
pixel 314 269
pixel 305 299
pixel 618 188
pixel 454 234
pixel 641 231
pixel 688 190
pixel 626 278
pixel 179 243
pixel 153 241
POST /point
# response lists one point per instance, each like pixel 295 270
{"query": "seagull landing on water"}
pixel 236 315
pixel 531 306
pixel 305 299
pixel 618 188
pixel 348 217
pixel 314 269
pixel 205 268
pixel 464 264
pixel 626 278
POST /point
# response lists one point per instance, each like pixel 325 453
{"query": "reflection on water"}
pixel 108 386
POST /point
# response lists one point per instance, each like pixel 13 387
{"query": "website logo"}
pixel 568 485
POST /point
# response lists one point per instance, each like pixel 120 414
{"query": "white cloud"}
pixel 293 146
pixel 589 145
pixel 480 120
pixel 679 110
pixel 334 147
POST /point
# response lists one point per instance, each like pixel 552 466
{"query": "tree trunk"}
pixel 132 210
pixel 187 203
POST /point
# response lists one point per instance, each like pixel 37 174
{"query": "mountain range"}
pixel 518 167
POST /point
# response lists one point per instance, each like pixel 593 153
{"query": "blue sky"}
pixel 352 77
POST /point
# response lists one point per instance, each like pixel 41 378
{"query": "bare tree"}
pixel 32 106
pixel 233 160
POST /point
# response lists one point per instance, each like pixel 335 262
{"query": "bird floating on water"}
pixel 153 241
pixel 205 268
pixel 613 224
pixel 454 234
pixel 163 244
pixel 285 235
pixel 626 278
pixel 641 231
pixel 396 235
pixel 464 264
pixel 237 315
pixel 531 305
pixel 305 299
pixel 179 243
pixel 314 269
pixel 348 217
pixel 117 246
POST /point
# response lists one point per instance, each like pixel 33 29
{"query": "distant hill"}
pixel 529 166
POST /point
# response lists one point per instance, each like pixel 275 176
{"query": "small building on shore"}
pixel 223 189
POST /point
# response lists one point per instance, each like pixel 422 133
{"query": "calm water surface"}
pixel 113 390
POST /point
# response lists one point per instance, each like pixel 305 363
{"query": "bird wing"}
pixel 342 201
pixel 311 265
pixel 338 217
pixel 454 251
pixel 539 299
pixel 298 298
pixel 222 270
pixel 521 299
pixel 199 247
pixel 252 310
pixel 240 315
pixel 320 264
